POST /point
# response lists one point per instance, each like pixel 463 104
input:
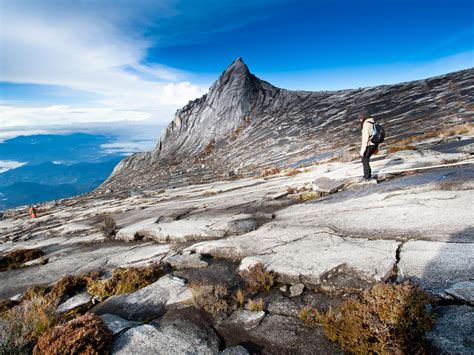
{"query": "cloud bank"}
pixel 90 48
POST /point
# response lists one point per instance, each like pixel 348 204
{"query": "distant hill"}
pixel 56 166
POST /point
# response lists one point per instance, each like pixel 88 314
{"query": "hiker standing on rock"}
pixel 368 147
pixel 33 211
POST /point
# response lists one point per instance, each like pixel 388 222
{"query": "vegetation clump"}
pixel 21 325
pixel 16 258
pixel 308 196
pixel 239 297
pixel 68 286
pixel 256 305
pixel 258 279
pixel 211 298
pixel 86 334
pixel 123 280
pixel 108 227
pixel 292 172
pixel 383 319
pixel 270 172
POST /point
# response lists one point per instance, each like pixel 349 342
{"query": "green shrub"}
pixel 86 334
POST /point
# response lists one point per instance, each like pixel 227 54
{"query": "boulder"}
pixel 185 261
pixel 327 185
pixel 149 302
pixel 184 332
pixel 296 290
pixel 452 333
pixel 75 301
pixel 240 226
pixel 117 324
pixel 246 319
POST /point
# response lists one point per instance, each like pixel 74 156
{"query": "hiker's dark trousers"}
pixel 365 160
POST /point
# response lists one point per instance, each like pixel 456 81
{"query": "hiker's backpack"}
pixel 377 134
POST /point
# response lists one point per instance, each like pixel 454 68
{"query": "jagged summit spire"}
pixel 237 66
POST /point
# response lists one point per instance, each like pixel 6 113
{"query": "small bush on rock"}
pixel 310 316
pixel 123 280
pixel 384 319
pixel 211 298
pixel 292 172
pixel 15 258
pixel 68 286
pixel 258 279
pixel 24 323
pixel 257 305
pixel 108 226
pixel 86 334
pixel 269 172
pixel 239 297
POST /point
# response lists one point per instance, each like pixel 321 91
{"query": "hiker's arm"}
pixel 365 137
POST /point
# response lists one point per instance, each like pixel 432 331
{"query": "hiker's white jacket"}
pixel 366 128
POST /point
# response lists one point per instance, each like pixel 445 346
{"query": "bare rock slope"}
pixel 244 124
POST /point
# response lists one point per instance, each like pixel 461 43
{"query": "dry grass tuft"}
pixel 86 334
pixel 443 132
pixel 258 279
pixel 23 324
pixel 239 297
pixel 6 305
pixel 211 298
pixel 308 196
pixel 297 190
pixel 310 316
pixel 270 172
pixel 292 172
pixel 384 319
pixel 108 227
pixel 123 280
pixel 16 258
pixel 257 305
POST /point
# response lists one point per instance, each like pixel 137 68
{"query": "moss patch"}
pixel 124 280
pixel 16 258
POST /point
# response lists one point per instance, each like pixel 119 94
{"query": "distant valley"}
pixel 39 168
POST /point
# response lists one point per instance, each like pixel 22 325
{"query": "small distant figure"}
pixel 372 134
pixel 33 211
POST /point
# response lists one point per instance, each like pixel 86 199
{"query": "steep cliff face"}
pixel 245 123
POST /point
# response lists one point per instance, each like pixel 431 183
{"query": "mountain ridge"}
pixel 245 124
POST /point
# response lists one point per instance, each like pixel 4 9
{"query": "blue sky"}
pixel 80 62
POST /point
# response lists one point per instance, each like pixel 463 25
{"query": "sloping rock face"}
pixel 245 124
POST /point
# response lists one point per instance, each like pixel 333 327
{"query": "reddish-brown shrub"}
pixel 86 334
pixel 258 279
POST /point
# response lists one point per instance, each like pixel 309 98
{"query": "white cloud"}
pixel 93 51
pixel 6 165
